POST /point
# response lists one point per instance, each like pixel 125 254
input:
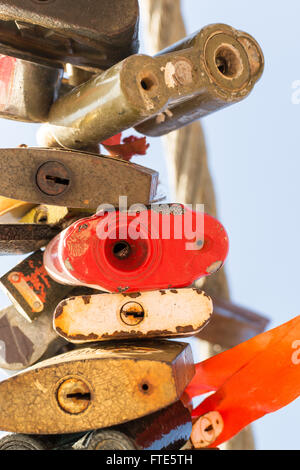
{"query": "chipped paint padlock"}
pixel 27 89
pixel 95 387
pixel 31 289
pixel 162 247
pixel 84 33
pixel 103 317
pixel 73 179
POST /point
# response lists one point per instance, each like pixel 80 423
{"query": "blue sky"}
pixel 254 158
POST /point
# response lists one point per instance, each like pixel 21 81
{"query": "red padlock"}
pixel 161 247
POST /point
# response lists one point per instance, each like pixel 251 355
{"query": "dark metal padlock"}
pixel 73 179
pixel 94 387
pixel 27 89
pixel 88 33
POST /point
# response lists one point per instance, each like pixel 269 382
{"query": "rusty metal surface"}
pixel 89 179
pixel 124 382
pixel 203 73
pixel 161 313
pixel 25 238
pixel 89 33
pixel 231 324
pixel 27 90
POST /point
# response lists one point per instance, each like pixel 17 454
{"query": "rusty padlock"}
pixel 207 71
pixel 163 313
pixel 85 33
pixel 73 179
pixel 109 103
pixel 140 249
pixel 94 387
pixel 27 89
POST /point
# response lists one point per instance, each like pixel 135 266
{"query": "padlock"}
pixel 167 429
pixel 92 388
pixel 25 238
pixel 163 313
pixel 87 33
pixel 212 69
pixel 30 288
pixel 27 89
pixel 166 246
pixel 215 68
pixel 109 103
pixel 73 179
pixel 23 343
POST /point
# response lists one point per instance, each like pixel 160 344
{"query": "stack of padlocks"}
pixel 124 390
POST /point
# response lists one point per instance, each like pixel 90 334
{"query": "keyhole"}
pixel 58 180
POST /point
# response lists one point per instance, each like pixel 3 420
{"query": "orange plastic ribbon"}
pixel 257 377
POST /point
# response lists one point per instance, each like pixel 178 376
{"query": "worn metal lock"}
pixel 25 238
pixel 92 388
pixel 212 69
pixel 85 33
pixel 144 249
pixel 110 102
pixel 23 343
pixel 73 179
pixel 27 89
pixel 30 288
pixel 215 68
pixel 167 429
pixel 163 313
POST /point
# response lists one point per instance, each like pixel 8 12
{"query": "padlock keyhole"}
pixel 79 396
pixel 58 180
pixel 122 249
